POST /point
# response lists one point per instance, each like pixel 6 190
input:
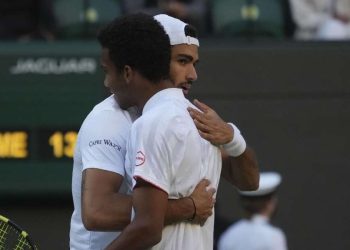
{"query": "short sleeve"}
pixel 155 144
pixel 103 141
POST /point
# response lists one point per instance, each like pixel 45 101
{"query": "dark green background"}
pixel 39 103
pixel 291 100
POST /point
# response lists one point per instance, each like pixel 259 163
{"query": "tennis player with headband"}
pixel 240 166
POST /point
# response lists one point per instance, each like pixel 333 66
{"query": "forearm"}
pixel 241 171
pixel 107 213
pixel 146 228
pixel 135 236
pixel 113 215
pixel 179 210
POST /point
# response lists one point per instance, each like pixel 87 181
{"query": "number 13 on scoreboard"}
pixel 63 143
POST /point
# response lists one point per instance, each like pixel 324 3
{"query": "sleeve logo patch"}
pixel 140 158
pixel 106 142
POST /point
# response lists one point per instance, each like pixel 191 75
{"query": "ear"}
pixel 128 74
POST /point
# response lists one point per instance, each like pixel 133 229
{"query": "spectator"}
pixel 194 12
pixel 321 19
pixel 255 232
pixel 26 19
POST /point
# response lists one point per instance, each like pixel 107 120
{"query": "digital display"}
pixel 62 144
pixel 46 91
pixel 14 145
pixel 52 144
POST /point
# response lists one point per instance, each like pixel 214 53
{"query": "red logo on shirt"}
pixel 140 158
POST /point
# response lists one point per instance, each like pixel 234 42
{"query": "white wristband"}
pixel 237 146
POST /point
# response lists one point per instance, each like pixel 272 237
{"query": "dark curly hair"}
pixel 138 40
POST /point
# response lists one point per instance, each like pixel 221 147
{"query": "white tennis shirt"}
pixel 101 144
pixel 166 150
pixel 253 234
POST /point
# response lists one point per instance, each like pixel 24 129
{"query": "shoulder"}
pixel 234 229
pixel 108 107
pixel 276 231
pixel 277 238
pixel 170 110
pixel 166 119
pixel 106 118
pixel 229 236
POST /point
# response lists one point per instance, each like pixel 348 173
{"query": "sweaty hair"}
pixel 139 41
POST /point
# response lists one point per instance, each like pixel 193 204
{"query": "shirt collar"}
pixel 163 95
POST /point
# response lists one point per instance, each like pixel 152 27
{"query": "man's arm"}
pixel 104 209
pixel 196 210
pixel 241 170
pixel 150 204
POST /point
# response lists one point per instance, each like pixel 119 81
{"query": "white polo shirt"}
pixel 253 234
pixel 101 144
pixel 166 150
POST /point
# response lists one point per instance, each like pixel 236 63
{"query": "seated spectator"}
pixel 321 19
pixel 194 12
pixel 26 20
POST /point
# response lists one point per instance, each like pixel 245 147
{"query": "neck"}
pixel 150 90
pixel 270 208
pixel 266 212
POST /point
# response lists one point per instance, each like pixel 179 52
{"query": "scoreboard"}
pixel 46 91
pixel 52 144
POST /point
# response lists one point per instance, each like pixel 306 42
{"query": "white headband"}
pixel 175 29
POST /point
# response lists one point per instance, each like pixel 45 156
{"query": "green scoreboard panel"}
pixel 46 91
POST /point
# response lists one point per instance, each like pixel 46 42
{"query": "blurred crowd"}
pixel 278 19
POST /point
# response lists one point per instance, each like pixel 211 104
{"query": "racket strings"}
pixel 22 242
pixel 3 234
pixel 11 237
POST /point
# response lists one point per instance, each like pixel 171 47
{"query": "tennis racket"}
pixel 12 237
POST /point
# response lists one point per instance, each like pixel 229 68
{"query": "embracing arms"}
pixel 241 170
pixel 150 204
pixel 104 209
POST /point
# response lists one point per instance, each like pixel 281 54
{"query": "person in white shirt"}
pixel 104 209
pixel 240 169
pixel 321 19
pixel 102 202
pixel 255 232
pixel 166 154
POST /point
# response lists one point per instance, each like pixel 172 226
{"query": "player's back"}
pixel 171 154
pixel 253 234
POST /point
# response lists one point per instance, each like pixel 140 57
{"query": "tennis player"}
pixel 105 209
pixel 102 204
pixel 240 166
pixel 166 155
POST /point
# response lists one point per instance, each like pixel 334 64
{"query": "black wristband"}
pixel 195 209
